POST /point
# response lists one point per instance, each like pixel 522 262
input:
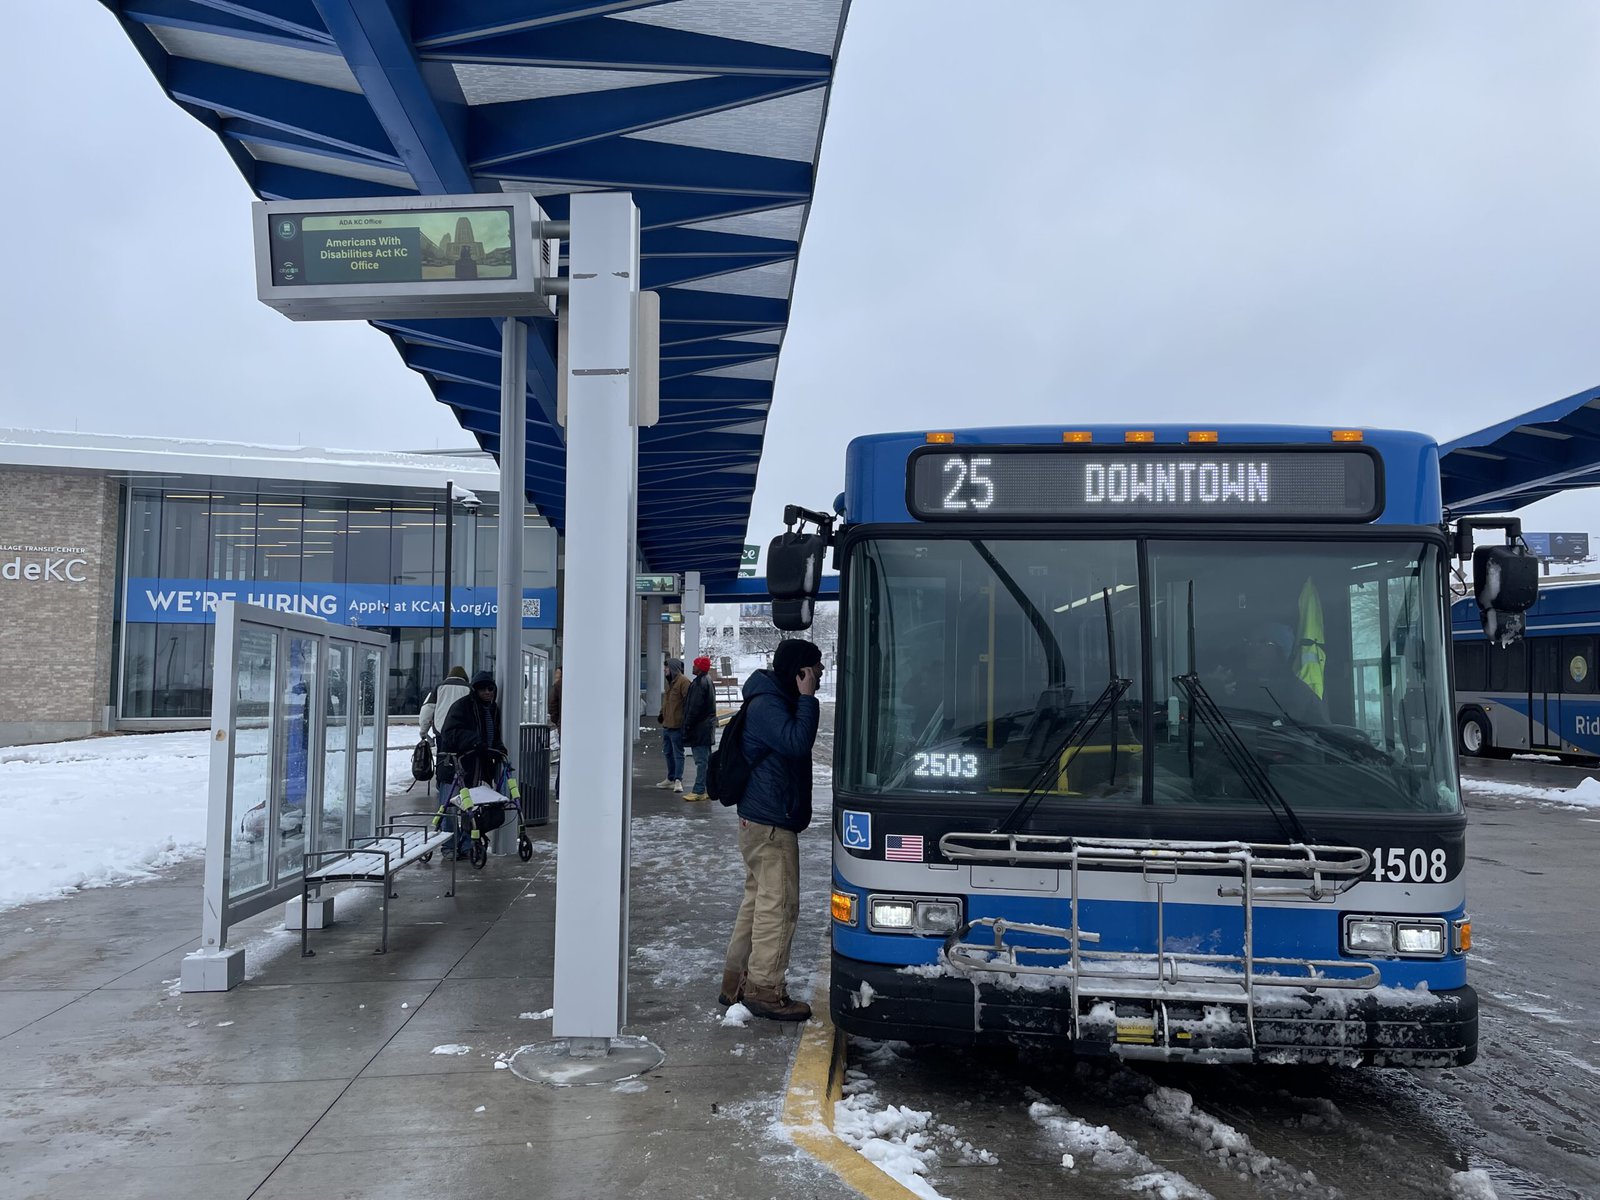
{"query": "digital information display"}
pixel 987 483
pixel 379 258
pixel 418 246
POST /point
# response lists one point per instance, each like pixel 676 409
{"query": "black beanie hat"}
pixel 793 655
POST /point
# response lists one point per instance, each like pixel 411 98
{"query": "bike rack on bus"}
pixel 1248 872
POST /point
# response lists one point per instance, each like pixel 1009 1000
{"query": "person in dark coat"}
pixel 781 719
pixel 700 725
pixel 472 733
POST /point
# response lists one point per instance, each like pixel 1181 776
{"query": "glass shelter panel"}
pixel 296 780
pixel 254 712
pixel 333 832
pixel 369 739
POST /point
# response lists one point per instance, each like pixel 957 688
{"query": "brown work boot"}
pixel 732 989
pixel 775 1005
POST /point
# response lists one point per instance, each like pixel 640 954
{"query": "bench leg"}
pixel 305 892
pixel 452 890
pixel 384 949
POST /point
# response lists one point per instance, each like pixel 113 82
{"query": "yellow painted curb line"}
pixel 816 1081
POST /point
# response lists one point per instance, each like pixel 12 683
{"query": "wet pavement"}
pixel 355 1075
pixel 1524 1114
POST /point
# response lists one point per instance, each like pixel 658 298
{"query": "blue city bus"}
pixel 1145 743
pixel 1537 695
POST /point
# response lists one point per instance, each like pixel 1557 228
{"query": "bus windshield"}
pixel 1149 671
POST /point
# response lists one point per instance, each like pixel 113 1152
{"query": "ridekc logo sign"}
pixel 44 564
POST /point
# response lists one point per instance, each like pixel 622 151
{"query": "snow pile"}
pixel 112 810
pixel 894 1138
pixel 451 1048
pixel 1585 795
pixel 863 996
pixel 1472 1185
pixel 1175 1111
pixel 737 1017
pixel 537 1016
pixel 1107 1150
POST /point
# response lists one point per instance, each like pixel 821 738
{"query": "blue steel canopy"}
pixel 709 111
pixel 1530 457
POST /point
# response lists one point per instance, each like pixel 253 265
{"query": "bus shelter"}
pixel 298 739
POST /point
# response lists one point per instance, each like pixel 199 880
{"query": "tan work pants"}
pixel 764 929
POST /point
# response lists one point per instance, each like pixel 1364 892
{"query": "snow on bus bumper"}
pixel 1384 1027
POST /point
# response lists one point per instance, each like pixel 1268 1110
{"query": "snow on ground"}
pixel 892 1137
pixel 903 1142
pixel 1472 1185
pixel 1585 795
pixel 111 810
pixel 1104 1149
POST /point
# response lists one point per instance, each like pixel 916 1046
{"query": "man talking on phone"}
pixel 780 730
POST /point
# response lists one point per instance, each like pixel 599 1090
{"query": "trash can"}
pixel 533 759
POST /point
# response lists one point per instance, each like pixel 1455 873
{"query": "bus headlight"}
pixel 1369 937
pixel 1422 937
pixel 938 916
pixel 913 914
pixel 890 915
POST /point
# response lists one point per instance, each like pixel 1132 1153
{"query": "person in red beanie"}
pixel 700 725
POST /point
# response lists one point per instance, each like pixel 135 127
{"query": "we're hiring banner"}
pixel 194 602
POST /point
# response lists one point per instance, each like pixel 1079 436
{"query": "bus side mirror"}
pixel 792 616
pixel 1505 582
pixel 794 565
pixel 794 568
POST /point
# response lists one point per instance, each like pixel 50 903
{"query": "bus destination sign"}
pixel 1143 482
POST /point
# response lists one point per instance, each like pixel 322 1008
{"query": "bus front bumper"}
pixel 1382 1028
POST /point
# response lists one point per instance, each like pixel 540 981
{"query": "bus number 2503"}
pixel 1408 866
pixel 945 766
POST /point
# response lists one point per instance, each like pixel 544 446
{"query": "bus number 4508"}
pixel 1416 866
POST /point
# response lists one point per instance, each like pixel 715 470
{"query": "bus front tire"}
pixel 1473 736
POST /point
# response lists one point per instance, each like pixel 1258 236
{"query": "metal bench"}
pixel 405 839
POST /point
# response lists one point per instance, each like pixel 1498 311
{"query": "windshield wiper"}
pixel 1233 748
pixel 1078 735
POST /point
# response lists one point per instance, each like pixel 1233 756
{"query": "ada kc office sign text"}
pixel 417 256
pixel 43 564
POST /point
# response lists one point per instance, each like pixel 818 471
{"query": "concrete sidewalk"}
pixel 319 1078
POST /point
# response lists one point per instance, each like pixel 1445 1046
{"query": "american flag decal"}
pixel 902 847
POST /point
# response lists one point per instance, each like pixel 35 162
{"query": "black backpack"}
pixel 728 773
pixel 422 761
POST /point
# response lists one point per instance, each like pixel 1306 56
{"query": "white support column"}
pixel 653 658
pixel 602 481
pixel 694 604
pixel 513 500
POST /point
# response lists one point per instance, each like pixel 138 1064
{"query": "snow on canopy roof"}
pixel 709 111
pixel 1539 454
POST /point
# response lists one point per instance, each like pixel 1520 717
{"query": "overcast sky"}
pixel 1028 212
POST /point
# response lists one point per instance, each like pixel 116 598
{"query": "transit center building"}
pixel 115 551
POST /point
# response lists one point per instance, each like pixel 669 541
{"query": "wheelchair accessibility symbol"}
pixel 857 830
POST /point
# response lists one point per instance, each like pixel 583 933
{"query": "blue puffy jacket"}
pixel 782 727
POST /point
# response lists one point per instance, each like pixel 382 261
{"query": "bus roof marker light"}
pixel 1202 435
pixel 940 439
pixel 1139 435
pixel 1349 435
pixel 1077 436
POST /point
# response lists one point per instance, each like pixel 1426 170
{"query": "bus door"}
pixel 1575 676
pixel 1544 699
